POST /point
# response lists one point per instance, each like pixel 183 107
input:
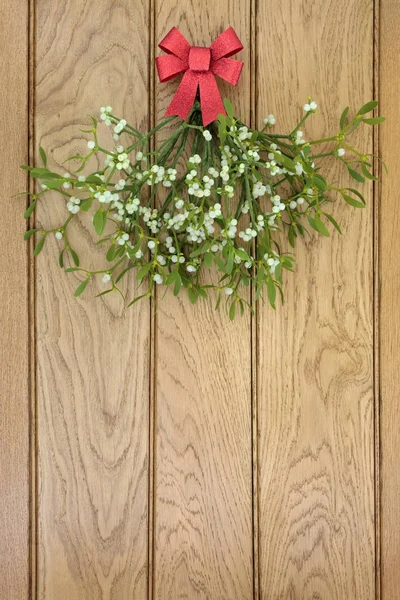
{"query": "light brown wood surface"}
pixel 173 454
pixel 93 358
pixel 388 274
pixel 315 355
pixel 203 469
pixel 14 337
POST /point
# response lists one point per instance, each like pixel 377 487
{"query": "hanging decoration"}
pixel 203 203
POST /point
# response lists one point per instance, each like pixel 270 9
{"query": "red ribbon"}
pixel 199 65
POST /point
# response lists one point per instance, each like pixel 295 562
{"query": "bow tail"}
pixel 210 98
pixel 185 95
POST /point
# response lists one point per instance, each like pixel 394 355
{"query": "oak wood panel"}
pixel 389 276
pixel 93 358
pixel 14 324
pixel 315 354
pixel 203 494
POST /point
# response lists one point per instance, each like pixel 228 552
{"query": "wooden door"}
pixel 173 454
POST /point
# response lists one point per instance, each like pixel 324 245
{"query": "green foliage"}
pixel 237 207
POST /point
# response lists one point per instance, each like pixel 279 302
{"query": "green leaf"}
pixel 320 182
pixel 122 273
pixel 40 172
pixel 43 156
pixel 367 107
pixel 321 228
pixel 357 176
pixel 30 209
pixel 52 184
pixel 104 293
pixel 99 221
pixel 285 161
pixel 311 220
pixel 30 233
pixel 39 246
pixel 333 221
pixel 222 128
pixel 86 204
pixel 367 174
pixel 74 257
pixel 374 120
pixel 228 108
pixel 111 253
pixel 277 273
pixel 352 201
pixel 218 301
pixel 137 299
pixel 229 264
pixel 172 277
pixel 232 310
pixel 220 264
pixel 81 287
pixel 357 193
pixel 343 117
pixel 271 290
pixel 208 259
pixel 204 248
pixel 132 251
pixel 242 254
pixel 93 179
pixel 291 236
pixel 384 165
pixel 300 228
pixel 61 258
pixel 71 269
pixel 178 285
pixel 142 272
pixel 193 295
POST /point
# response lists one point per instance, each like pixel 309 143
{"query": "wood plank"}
pixel 93 358
pixel 315 357
pixel 389 283
pixel 14 323
pixel 203 510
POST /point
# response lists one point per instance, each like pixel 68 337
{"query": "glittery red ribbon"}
pixel 199 65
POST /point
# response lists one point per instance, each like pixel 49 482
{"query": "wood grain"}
pixel 14 324
pixel 203 493
pixel 315 354
pixel 93 358
pixel 389 283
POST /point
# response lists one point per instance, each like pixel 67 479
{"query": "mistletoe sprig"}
pixel 222 198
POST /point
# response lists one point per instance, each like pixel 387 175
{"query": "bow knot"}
pixel 199 58
pixel 199 66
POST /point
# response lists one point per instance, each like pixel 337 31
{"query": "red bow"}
pixel 200 66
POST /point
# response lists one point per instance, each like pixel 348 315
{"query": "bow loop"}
pixel 228 69
pixel 226 44
pixel 175 43
pixel 199 65
pixel 169 66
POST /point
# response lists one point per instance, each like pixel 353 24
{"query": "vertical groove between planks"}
pixel 376 302
pixel 31 275
pixel 153 337
pixel 253 326
pixel 389 300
